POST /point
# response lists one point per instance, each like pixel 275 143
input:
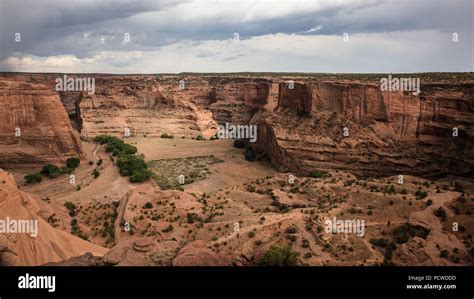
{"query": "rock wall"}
pixel 388 132
pixel 300 129
pixel 36 115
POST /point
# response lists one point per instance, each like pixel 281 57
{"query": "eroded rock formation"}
pixel 387 132
pixel 34 127
pixel 27 249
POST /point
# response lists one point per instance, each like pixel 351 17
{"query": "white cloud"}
pixel 377 52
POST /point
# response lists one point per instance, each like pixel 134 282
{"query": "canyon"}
pixel 344 141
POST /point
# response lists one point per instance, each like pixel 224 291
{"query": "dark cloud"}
pixel 83 28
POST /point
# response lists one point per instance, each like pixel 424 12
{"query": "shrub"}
pixel 148 205
pixel 318 174
pixel 191 217
pixel 73 162
pixel 96 173
pixel 115 145
pixel 33 178
pixel 280 256
pixel 444 253
pixel 320 229
pixel 199 137
pixel 420 194
pixel 167 136
pixel 140 175
pixel 291 230
pixel 391 189
pixel 441 213
pixel 250 154
pixel 305 243
pixel 251 234
pixel 99 162
pixel 239 143
pixel 71 207
pixel 51 171
pixel 168 229
pixel 404 232
pixel 283 208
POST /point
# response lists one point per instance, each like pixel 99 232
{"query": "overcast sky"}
pixel 234 36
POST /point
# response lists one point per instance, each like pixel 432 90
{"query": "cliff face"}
pixel 151 107
pixel 146 107
pixel 236 101
pixel 34 127
pixel 387 132
pixel 300 129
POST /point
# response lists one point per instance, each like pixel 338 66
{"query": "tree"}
pixel 51 171
pixel 73 162
pixel 441 213
pixel 280 256
pixel 33 178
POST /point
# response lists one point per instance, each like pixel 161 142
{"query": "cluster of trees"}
pixel 280 256
pixel 406 231
pixel 115 145
pixel 129 164
pixel 52 171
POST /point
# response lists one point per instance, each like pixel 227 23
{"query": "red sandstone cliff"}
pixel 389 132
pixel 35 113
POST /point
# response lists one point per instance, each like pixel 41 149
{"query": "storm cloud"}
pixel 223 36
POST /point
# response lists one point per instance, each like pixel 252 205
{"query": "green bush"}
pixel 73 162
pixel 292 230
pixel 280 256
pixel 148 205
pixel 51 171
pixel 250 155
pixel 318 174
pixel 71 208
pixel 441 213
pixel 420 194
pixel 140 175
pixel 404 232
pixel 33 178
pixel 115 145
pixel 191 218
pixel 239 143
pixel 167 136
pixel 129 164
